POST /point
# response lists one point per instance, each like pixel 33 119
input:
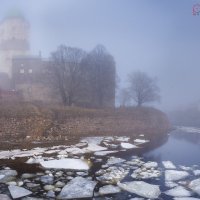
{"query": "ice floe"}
pixel 77 188
pixel 67 163
pixel 114 160
pixel 126 145
pixel 143 173
pixel 104 153
pixel 178 191
pixel 111 175
pixel 168 165
pixel 109 189
pixel 196 172
pixel 18 192
pixel 141 188
pixel 195 186
pixel 141 141
pixel 175 175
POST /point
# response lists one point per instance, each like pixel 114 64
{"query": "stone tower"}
pixel 14 40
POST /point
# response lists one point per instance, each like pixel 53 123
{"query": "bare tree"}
pixel 67 72
pixel 99 67
pixel 142 88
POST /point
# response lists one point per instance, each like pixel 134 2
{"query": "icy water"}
pixel 180 147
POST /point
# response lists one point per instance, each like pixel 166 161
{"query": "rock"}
pixel 32 185
pixel 48 187
pixel 18 192
pixel 141 188
pixel 174 175
pixel 195 186
pixel 67 163
pixel 178 191
pixel 27 176
pixel 7 175
pixel 109 189
pixel 11 183
pixel 51 194
pixel 4 197
pixel 59 184
pixel 77 188
pixel 46 179
pixel 111 175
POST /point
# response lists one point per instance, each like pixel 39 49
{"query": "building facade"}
pixel 14 41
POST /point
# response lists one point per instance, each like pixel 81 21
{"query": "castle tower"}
pixel 14 40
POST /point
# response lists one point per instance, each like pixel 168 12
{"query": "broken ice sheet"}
pixel 114 160
pixel 178 191
pixel 141 141
pixel 18 192
pixel 126 145
pixel 78 187
pixel 67 163
pixel 141 188
pixel 195 186
pixel 175 175
pixel 111 175
pixel 109 189
pixel 168 165
pixel 104 153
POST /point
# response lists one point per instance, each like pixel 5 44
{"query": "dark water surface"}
pixel 181 148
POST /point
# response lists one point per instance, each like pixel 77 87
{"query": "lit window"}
pixel 30 71
pixel 21 71
pixel 22 64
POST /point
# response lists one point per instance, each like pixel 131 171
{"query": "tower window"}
pixel 21 71
pixel 30 71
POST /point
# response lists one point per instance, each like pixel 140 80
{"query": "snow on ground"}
pixel 141 188
pixel 168 165
pixel 67 163
pixel 175 175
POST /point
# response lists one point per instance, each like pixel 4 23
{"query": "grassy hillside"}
pixel 27 121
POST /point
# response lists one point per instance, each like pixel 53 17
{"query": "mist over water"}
pixel 159 38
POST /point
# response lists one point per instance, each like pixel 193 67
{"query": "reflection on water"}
pixel 181 148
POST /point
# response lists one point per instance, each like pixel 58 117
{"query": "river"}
pixel 180 147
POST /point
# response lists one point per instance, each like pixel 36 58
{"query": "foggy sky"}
pixel 158 37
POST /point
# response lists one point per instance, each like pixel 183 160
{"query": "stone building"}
pixel 32 78
pixel 14 40
pixel 24 74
